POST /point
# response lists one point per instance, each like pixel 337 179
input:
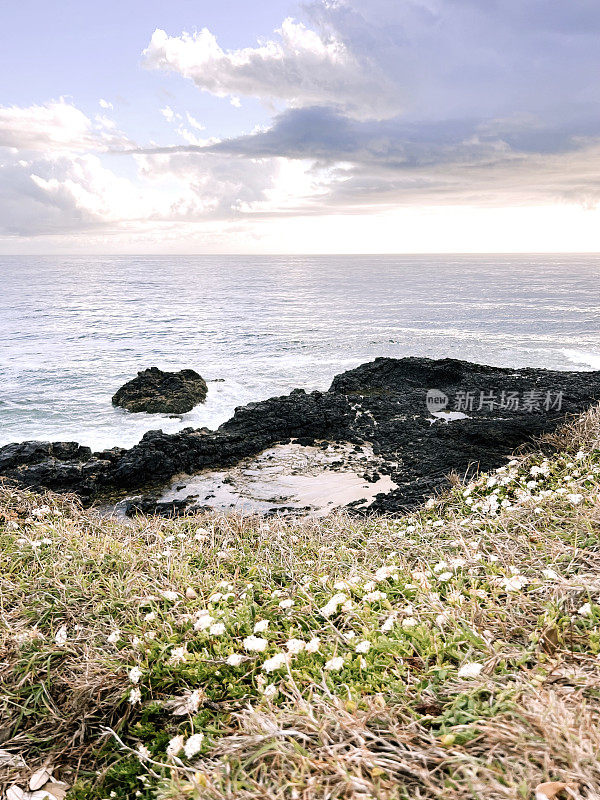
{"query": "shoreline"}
pixel 381 404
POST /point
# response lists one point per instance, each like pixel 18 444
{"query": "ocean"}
pixel 74 329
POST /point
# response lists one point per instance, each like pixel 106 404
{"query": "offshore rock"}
pixel 158 392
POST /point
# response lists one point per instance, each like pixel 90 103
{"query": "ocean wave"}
pixel 583 357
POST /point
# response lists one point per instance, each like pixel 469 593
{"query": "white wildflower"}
pixel 135 673
pixel 187 703
pixel 295 646
pixel 334 664
pixel 409 622
pixel 235 659
pixel 385 572
pixel 217 629
pixel 576 499
pixel 60 637
pixel 114 637
pixel 135 696
pixel 261 626
pixel 332 605
pixel 193 745
pixel 270 691
pixel 363 647
pixel 203 621
pixel 255 643
pixel 514 583
pixel 175 746
pixel 550 574
pixel 287 603
pixel 470 669
pixel 313 645
pixel 373 597
pixel 275 662
pixel 171 596
pixel 178 654
pixel 389 623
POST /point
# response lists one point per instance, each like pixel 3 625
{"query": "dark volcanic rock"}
pixel 150 505
pixel 158 392
pixel 29 453
pixel 382 403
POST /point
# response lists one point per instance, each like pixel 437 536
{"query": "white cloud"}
pixel 55 126
pixel 57 176
pixel 194 122
pixel 380 106
pixel 300 67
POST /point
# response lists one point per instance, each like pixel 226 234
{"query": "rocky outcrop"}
pixel 382 403
pixel 158 392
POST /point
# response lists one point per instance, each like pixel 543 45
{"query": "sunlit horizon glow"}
pixel 419 126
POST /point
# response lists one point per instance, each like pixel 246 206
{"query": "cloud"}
pixel 376 105
pixel 419 101
pixel 179 123
pixel 56 126
pixel 80 193
pixel 300 68
pixel 57 175
pixel 502 161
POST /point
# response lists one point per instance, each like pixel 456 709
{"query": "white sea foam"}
pixel 584 358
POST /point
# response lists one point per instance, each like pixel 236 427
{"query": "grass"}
pixel 452 653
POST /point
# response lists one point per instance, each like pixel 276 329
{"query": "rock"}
pixel 382 403
pixel 28 453
pixel 158 392
pixel 150 505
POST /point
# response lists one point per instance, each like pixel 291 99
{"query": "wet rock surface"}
pixel 156 392
pixel 382 403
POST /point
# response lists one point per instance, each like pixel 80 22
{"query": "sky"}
pixel 332 126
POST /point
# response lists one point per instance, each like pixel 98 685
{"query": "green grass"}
pixel 451 653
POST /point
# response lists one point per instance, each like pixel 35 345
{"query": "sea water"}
pixel 74 329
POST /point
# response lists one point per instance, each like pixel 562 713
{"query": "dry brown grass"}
pixel 323 749
pixel 406 728
pixel 580 432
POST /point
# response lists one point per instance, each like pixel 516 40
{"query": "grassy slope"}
pixel 387 705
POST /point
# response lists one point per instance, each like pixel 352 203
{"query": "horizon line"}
pixel 319 255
